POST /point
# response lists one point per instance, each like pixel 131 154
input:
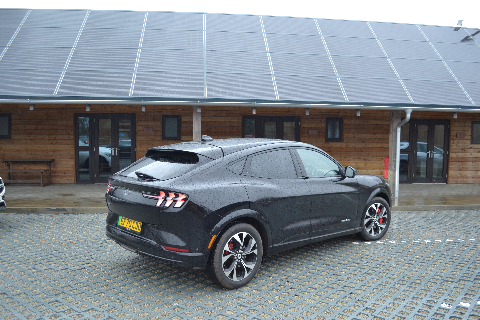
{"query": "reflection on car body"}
pixel 224 204
pixel 3 205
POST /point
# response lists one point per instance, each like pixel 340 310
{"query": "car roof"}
pixel 217 148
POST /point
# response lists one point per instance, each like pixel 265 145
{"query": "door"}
pixel 105 144
pixel 430 151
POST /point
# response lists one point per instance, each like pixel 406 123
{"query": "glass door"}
pixel 430 151
pixel 105 145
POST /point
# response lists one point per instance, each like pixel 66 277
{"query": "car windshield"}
pixel 163 165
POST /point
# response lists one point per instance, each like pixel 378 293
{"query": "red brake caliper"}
pixel 378 213
pixel 230 247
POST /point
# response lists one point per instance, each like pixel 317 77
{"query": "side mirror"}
pixel 350 172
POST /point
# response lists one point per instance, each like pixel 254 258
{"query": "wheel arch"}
pixel 248 216
pixel 380 193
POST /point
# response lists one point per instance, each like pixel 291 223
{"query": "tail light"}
pixel 166 199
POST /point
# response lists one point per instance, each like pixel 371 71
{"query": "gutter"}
pixel 397 156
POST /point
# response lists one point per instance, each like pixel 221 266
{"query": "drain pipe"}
pixel 397 157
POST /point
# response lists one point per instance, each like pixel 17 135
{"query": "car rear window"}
pixel 164 165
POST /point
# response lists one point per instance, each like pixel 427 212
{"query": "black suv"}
pixel 224 204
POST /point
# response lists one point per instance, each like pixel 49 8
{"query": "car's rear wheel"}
pixel 375 219
pixel 237 256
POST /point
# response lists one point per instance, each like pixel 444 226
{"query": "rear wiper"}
pixel 144 176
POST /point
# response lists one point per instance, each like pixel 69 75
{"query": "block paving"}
pixel 62 266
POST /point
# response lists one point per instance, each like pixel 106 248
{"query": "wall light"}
pixel 455 115
pixel 358 112
pixel 254 110
pixel 307 111
pixel 87 107
pixel 199 109
pixel 143 108
pixel 32 106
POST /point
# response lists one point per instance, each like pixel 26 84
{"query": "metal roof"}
pixel 82 56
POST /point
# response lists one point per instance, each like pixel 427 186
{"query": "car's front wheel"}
pixel 237 256
pixel 375 219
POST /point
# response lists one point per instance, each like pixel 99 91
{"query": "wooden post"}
pixel 197 123
pixel 395 118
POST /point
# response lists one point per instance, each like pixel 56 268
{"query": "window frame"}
pixel 9 134
pixel 179 127
pixel 327 121
pixel 472 141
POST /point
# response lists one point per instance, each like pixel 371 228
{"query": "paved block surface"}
pixel 62 266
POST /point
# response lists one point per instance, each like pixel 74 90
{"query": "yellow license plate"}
pixel 130 224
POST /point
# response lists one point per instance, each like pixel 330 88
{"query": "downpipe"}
pixel 397 156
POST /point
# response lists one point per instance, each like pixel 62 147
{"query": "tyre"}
pixel 375 219
pixel 237 256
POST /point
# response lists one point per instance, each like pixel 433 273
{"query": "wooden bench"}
pixel 41 171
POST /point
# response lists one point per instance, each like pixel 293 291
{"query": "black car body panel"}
pixel 217 183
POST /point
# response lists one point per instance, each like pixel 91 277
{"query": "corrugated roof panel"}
pixel 363 67
pixel 396 31
pixel 443 34
pixel 473 89
pixel 422 69
pixel 409 49
pixel 293 43
pixel 289 25
pixel 437 92
pixel 29 82
pixel 108 46
pixel 172 39
pixel 175 20
pixel 466 71
pixel 240 86
pixel 175 61
pixel 150 83
pixel 237 62
pixel 233 23
pixel 344 28
pixel 44 18
pixel 302 64
pixel 353 47
pixel 464 51
pixel 308 88
pixel 95 82
pixel 10 19
pixel 378 90
pixel 235 41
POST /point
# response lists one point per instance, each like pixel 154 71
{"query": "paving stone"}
pixel 56 266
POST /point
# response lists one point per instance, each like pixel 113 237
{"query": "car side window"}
pixel 317 164
pixel 277 164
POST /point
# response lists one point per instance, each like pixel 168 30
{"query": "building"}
pixel 95 89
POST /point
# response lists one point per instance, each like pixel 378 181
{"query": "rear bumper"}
pixel 142 245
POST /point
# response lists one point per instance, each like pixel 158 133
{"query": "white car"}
pixel 2 195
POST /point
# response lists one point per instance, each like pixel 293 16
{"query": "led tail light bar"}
pixel 165 199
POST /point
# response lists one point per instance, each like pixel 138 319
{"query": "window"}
pixel 334 130
pixel 5 126
pixel 475 132
pixel 272 165
pixel 171 127
pixel 317 165
pixel 287 128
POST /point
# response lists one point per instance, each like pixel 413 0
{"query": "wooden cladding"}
pixel 48 131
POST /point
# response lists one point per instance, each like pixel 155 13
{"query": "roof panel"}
pixel 463 51
pixel 174 21
pixel 353 47
pixel 30 82
pixel 233 23
pixel 396 31
pixel 235 41
pixel 240 86
pixel 436 92
pixel 465 71
pixel 293 43
pixel 289 25
pixel 166 84
pixel 238 62
pixel 127 20
pixel 95 82
pixel 43 18
pixel 379 90
pixel 344 28
pixel 412 69
pixel 409 49
pixel 363 67
pixel 308 88
pixel 473 90
pixel 172 39
pixel 302 64
pixel 175 61
pixel 444 34
pixel 10 19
